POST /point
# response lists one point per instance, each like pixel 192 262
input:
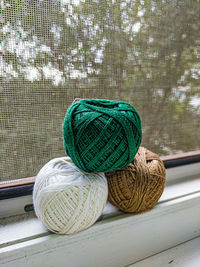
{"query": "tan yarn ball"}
pixel 139 186
pixel 67 199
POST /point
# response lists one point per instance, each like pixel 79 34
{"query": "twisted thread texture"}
pixel 101 135
pixel 139 186
pixel 66 199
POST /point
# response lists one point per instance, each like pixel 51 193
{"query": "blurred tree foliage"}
pixel 144 52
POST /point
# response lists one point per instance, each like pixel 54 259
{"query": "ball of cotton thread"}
pixel 139 186
pixel 101 135
pixel 67 199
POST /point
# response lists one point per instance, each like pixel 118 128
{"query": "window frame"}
pixel 16 195
pixel 23 187
pixel 175 219
pixel 119 240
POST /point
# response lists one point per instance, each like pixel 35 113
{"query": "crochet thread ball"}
pixel 101 135
pixel 66 199
pixel 139 186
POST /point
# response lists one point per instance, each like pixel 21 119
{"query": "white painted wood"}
pixel 14 206
pixel 179 188
pixel 182 172
pixel 117 241
pixel 19 230
pixel 183 255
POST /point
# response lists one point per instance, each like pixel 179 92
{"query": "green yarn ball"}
pixel 101 135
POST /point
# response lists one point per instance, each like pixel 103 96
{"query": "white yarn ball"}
pixel 67 199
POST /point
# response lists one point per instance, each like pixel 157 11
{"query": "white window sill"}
pixel 117 239
pixel 184 255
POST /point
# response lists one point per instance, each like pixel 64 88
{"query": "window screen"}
pixel 146 53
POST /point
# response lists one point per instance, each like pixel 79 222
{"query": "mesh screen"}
pixel 144 52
